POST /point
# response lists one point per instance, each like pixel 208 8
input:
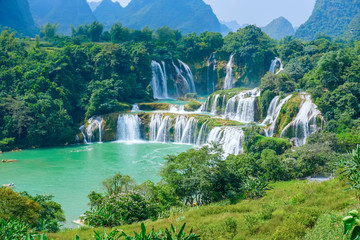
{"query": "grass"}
pixel 294 208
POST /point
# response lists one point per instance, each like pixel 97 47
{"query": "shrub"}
pixel 118 209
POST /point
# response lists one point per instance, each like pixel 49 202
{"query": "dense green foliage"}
pixel 38 212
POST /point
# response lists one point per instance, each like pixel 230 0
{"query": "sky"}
pixel 259 12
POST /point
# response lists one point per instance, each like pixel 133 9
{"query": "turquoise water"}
pixel 70 173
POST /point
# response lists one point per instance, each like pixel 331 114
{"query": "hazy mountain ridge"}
pixel 63 12
pixel 185 15
pixel 279 28
pixel 16 15
pixel 330 17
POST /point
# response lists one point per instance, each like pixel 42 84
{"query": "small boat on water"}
pixel 9 185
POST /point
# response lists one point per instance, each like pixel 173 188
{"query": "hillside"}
pixel 16 15
pixel 184 15
pixel 353 30
pixel 290 209
pixel 279 28
pixel 330 17
pixel 108 12
pixel 63 12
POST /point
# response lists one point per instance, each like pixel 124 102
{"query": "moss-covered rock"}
pixel 154 106
pixel 192 106
pixel 288 113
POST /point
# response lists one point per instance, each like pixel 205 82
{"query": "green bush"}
pixel 118 209
pixel 279 145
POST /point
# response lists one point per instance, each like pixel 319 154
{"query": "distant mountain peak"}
pixel 279 28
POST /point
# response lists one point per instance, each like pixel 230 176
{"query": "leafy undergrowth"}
pixel 291 210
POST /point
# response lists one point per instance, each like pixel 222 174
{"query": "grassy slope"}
pixel 260 219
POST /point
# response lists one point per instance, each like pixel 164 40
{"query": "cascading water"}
pixel 305 122
pixel 180 125
pixel 159 128
pixel 88 132
pixel 229 81
pixel 274 64
pixel 211 74
pixel 188 76
pixel 188 136
pixel 128 128
pixel 242 106
pixel 202 136
pixel 159 80
pixel 273 114
pixel 214 104
pixel 135 108
pixel 229 137
pixel 177 108
pixel 185 130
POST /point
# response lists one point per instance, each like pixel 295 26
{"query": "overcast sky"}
pixel 259 12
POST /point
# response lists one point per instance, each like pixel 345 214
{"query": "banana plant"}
pixel 352 226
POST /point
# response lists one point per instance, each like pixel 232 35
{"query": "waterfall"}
pixel 82 129
pixel 241 107
pixel 273 114
pixel 274 64
pixel 135 108
pixel 188 136
pixel 159 128
pixel 305 122
pixel 211 73
pixel 88 132
pixel 177 108
pixel 188 76
pixel 201 139
pixel 185 130
pixel 223 104
pixel 214 104
pixel 229 137
pixel 180 125
pixel 128 127
pixel 229 79
pixel 159 80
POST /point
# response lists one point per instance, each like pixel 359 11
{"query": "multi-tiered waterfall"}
pixel 305 122
pixel 231 139
pixel 242 106
pixel 229 81
pixel 159 80
pixel 211 73
pixel 94 123
pixel 274 65
pixel 273 114
pixel 128 128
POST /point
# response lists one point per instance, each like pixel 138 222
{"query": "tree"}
pixel 118 184
pixel 48 31
pixel 95 30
